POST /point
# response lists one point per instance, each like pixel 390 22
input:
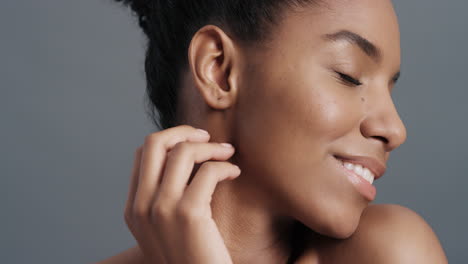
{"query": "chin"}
pixel 343 230
pixel 340 230
pixel 338 224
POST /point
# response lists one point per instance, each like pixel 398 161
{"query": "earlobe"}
pixel 212 61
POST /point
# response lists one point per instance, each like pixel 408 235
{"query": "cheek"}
pixel 318 109
pixel 294 111
pixel 285 124
pixel 284 128
pixel 323 116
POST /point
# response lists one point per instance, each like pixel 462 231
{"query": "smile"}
pixel 361 171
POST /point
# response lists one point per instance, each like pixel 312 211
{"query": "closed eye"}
pixel 348 79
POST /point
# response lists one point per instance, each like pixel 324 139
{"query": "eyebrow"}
pixel 370 49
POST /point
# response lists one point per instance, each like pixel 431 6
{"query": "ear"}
pixel 212 60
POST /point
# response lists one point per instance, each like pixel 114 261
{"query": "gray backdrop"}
pixel 72 88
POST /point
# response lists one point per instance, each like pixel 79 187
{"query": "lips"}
pixel 353 167
pixel 376 167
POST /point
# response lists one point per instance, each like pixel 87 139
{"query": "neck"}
pixel 251 231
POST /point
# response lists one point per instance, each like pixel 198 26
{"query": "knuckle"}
pixel 138 212
pixel 181 148
pixel 186 211
pixel 127 210
pixel 152 138
pixel 161 211
pixel 152 142
pixel 127 216
pixel 210 166
pixel 148 139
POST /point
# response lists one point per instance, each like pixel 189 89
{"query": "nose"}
pixel 383 123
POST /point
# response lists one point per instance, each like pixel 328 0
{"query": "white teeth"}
pixel 358 169
pixel 368 175
pixel 361 171
pixel 349 166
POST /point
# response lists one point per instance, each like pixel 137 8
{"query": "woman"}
pixel 302 91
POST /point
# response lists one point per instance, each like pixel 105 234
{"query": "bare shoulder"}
pixel 132 255
pixel 387 234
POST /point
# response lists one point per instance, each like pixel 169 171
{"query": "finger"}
pixel 133 181
pixel 198 194
pixel 180 164
pixel 153 159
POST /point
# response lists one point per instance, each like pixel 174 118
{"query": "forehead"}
pixel 375 20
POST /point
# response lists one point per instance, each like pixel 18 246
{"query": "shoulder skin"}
pixel 387 234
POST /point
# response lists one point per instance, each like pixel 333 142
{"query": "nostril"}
pixel 383 139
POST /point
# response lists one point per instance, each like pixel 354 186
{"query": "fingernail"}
pixel 226 145
pixel 203 131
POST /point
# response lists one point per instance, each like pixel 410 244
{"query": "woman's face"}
pixel 321 93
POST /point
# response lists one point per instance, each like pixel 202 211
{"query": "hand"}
pixel 171 220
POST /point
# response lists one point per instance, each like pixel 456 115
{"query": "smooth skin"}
pixel 290 108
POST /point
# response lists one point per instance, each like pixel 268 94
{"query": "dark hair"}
pixel 169 26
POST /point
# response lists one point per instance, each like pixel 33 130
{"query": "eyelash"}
pixel 348 79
